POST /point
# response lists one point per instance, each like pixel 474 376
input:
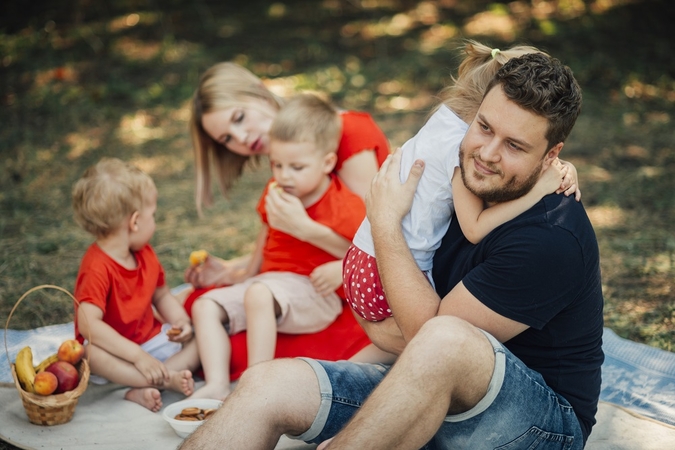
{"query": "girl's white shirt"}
pixel 437 144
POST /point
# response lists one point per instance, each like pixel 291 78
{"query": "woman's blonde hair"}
pixel 108 194
pixel 479 66
pixel 224 85
pixel 308 118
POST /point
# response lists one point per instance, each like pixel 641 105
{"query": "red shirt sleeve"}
pixel 360 133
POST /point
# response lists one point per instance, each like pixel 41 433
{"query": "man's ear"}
pixel 133 221
pixel 553 153
pixel 329 162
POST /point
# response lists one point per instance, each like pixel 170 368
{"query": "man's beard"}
pixel 510 190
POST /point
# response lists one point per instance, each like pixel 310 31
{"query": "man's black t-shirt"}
pixel 541 269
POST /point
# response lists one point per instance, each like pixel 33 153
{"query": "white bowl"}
pixel 184 427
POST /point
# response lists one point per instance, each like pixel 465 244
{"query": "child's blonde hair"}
pixel 475 72
pixel 108 193
pixel 308 118
pixel 224 85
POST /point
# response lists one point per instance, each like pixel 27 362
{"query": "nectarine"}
pixel 71 351
pixel 45 383
pixel 67 375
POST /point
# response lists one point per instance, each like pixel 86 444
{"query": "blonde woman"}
pixel 232 113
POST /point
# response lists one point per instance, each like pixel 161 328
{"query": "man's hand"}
pixel 389 200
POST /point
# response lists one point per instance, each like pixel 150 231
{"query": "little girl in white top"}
pixel 441 190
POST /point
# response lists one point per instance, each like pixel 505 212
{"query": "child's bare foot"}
pixel 215 391
pixel 148 397
pixel 181 381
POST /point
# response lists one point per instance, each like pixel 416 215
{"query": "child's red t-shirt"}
pixel 124 295
pixel 339 209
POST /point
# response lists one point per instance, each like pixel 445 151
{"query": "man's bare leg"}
pixel 271 399
pixel 447 367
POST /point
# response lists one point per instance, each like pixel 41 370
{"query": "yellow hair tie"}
pixel 494 52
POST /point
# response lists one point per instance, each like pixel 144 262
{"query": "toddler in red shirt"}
pixel 120 280
pixel 275 293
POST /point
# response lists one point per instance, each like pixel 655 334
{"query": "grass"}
pixel 80 81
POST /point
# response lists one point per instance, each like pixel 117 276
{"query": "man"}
pixel 532 284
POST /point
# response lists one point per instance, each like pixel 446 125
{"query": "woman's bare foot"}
pixel 148 397
pixel 215 391
pixel 181 381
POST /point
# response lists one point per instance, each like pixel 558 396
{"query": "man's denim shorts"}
pixel 519 411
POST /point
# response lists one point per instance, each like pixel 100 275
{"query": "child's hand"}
pixel 327 277
pixel 154 371
pixel 570 183
pixel 180 333
pixel 211 272
pixel 551 178
pixel 286 213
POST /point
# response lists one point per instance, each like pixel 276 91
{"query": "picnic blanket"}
pixel 637 408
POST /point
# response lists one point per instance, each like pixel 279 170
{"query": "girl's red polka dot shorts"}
pixel 363 288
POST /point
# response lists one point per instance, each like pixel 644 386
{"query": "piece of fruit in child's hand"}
pixel 198 257
pixel 174 331
pixel 275 185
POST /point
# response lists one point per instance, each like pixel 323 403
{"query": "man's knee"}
pixel 262 375
pixel 274 377
pixel 447 329
pixel 285 391
pixel 449 338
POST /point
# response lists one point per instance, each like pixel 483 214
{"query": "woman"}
pixel 232 113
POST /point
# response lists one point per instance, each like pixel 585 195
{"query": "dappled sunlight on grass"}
pixel 124 22
pixel 139 128
pixel 438 36
pixel 605 216
pixel 659 263
pixel 425 13
pixel 81 143
pixel 651 172
pixel 497 24
pixel 640 90
pixel 595 174
pixel 602 6
pixel 117 81
pixel 135 49
pixel 160 164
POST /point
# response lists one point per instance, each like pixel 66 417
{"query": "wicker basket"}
pixel 53 409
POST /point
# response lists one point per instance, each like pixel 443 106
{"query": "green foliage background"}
pixel 83 79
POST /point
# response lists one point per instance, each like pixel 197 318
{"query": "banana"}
pixel 46 362
pixel 24 369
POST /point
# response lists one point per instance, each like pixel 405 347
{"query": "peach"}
pixel 71 351
pixel 198 257
pixel 67 375
pixel 45 383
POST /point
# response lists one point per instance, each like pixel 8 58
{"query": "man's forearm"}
pixel 411 297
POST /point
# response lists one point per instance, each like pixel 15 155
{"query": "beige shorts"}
pixel 303 310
